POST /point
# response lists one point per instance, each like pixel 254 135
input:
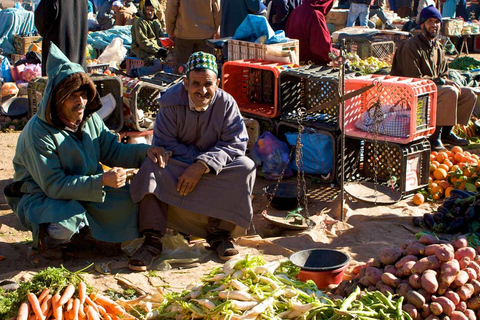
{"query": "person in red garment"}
pixel 307 24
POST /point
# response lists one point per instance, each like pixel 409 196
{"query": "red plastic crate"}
pixel 254 84
pixel 417 95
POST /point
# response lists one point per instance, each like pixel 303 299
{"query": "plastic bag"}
pixel 115 51
pixel 273 153
pixel 5 66
pixel 9 88
pixel 317 152
pixel 31 71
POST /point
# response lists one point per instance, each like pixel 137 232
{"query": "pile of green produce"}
pixel 365 66
pixel 438 279
pixel 459 213
pixel 56 279
pixel 464 63
pixel 253 289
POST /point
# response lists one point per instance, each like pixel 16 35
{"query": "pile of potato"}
pixel 438 279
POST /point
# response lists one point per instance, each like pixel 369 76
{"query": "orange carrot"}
pixel 76 308
pixel 108 304
pixel 23 311
pixel 57 309
pixel 92 314
pixel 42 295
pixel 32 298
pixel 82 292
pixel 69 304
pixel 33 317
pixel 81 313
pixel 67 294
pixel 91 303
pixel 46 304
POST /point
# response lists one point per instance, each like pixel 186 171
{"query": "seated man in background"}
pixel 146 45
pixel 206 186
pixel 423 57
pixel 123 16
pixel 59 186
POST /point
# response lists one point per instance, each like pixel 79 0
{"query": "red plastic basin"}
pixel 322 266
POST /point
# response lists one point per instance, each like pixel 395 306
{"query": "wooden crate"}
pixel 22 44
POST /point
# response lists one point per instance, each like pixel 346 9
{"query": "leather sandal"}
pixel 150 250
pixel 143 258
pixel 225 248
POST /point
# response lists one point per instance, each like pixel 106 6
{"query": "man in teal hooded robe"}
pixel 59 186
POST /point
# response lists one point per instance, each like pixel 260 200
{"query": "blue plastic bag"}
pixel 5 66
pixel 273 153
pixel 317 152
pixel 254 28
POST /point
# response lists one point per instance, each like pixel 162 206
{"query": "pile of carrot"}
pixel 69 306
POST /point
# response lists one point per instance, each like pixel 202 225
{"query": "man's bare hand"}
pixel 190 177
pixel 115 178
pixel 159 155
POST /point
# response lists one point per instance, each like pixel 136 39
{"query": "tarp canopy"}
pixel 101 39
pixel 14 21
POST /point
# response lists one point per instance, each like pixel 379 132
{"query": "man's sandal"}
pixel 225 248
pixel 143 258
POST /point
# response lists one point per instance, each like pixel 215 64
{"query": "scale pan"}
pixel 365 191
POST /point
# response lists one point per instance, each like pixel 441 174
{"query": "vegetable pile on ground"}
pixel 8 124
pixel 464 63
pixel 454 169
pixel 437 279
pixel 56 293
pixel 459 213
pixel 367 66
pixel 253 289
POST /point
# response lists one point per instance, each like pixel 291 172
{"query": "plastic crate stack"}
pixel 303 89
pixel 254 83
pixel 104 84
pixel 402 106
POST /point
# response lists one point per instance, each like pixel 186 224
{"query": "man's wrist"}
pixel 207 168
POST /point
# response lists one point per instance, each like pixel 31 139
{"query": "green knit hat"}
pixel 202 60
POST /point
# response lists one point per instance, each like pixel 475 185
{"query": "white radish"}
pixel 205 303
pixel 295 314
pixel 222 287
pixel 261 307
pixel 193 294
pixel 195 287
pixel 243 305
pixel 229 266
pixel 217 277
pixel 235 294
pixel 290 293
pixel 238 285
pixel 298 306
pixel 268 267
pixel 274 285
pixel 238 274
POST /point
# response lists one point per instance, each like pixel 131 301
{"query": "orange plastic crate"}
pixel 417 95
pixel 254 84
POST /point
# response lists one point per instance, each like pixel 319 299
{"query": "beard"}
pixel 430 35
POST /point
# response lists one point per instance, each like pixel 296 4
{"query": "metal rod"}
pixel 342 133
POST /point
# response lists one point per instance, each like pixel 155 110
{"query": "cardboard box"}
pixel 337 17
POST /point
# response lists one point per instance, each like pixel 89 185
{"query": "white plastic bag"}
pixel 109 104
pixel 115 51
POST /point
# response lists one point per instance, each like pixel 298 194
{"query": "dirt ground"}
pixel 368 229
